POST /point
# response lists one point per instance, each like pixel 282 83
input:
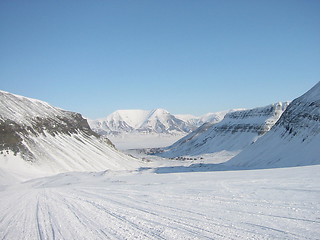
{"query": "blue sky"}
pixel 97 56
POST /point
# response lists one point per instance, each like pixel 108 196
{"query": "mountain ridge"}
pixel 237 130
pixel 154 121
pixel 37 135
pixel 292 141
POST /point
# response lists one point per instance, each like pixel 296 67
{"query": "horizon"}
pixel 149 110
pixel 186 57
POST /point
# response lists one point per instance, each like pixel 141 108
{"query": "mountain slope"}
pixel 161 121
pixel 35 134
pixel 293 141
pixel 208 117
pixel 136 129
pixel 157 121
pixel 140 121
pixel 119 121
pixel 237 130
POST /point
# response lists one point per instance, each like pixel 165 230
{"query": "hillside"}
pixel 236 131
pixel 293 141
pixel 38 137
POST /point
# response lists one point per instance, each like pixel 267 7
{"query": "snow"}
pixel 214 117
pixel 217 116
pixel 62 153
pixel 293 141
pixel 101 193
pixel 186 117
pixel 140 121
pixel 133 117
pixel 312 95
pixel 127 141
pixel 256 204
pixel 155 121
pixel 22 109
pixel 41 152
pixel 136 129
pixel 272 150
pixel 236 131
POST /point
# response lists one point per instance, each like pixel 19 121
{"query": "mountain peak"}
pixel 160 110
pixel 140 121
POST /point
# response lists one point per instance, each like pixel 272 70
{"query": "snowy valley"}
pixel 238 174
pixel 136 129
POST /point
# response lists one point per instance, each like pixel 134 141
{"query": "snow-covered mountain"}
pixel 39 136
pixel 293 141
pixel 140 121
pixel 136 129
pixel 236 131
pixel 209 117
pixel 157 121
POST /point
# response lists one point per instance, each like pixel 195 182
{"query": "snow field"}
pixel 256 204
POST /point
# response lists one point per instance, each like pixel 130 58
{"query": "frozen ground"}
pixel 253 204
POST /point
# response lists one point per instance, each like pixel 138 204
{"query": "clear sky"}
pixel 97 56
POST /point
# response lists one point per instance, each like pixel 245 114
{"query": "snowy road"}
pixel 260 204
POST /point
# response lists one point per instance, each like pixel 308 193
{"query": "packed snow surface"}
pixel 256 204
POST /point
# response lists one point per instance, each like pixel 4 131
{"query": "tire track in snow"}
pixel 183 225
pixel 40 234
pixel 173 214
pixel 116 216
pixel 79 216
pixel 82 217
